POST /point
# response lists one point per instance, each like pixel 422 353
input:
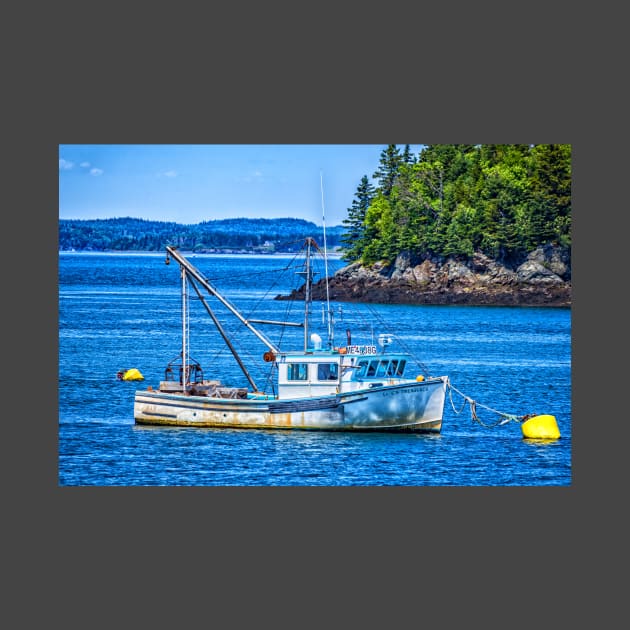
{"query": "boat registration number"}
pixel 361 349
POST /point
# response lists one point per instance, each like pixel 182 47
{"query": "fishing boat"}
pixel 318 386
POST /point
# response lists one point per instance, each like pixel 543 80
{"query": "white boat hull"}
pixel 411 406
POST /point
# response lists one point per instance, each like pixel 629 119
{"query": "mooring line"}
pixel 504 418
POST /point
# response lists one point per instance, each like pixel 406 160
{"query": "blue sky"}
pixel 193 183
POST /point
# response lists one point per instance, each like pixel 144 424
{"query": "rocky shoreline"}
pixel 543 278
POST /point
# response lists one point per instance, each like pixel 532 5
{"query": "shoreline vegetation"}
pixel 264 236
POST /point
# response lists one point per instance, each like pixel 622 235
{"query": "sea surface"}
pixel 122 311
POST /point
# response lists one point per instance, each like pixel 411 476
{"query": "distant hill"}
pixel 221 235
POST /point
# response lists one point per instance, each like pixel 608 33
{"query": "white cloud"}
pixel 85 164
pixel 170 174
pixel 64 165
pixel 96 172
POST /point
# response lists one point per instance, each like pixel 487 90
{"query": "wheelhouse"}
pixel 330 372
pixel 309 374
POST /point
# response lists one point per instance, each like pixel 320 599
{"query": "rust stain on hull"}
pixel 420 428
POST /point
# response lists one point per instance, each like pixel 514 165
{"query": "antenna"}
pixel 330 330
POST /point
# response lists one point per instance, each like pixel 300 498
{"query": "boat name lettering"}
pixel 402 391
pixel 362 349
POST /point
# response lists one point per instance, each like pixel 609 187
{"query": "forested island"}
pixel 460 224
pixel 454 224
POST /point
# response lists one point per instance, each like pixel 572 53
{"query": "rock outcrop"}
pixel 542 279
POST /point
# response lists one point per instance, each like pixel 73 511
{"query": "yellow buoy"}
pixel 542 427
pixel 419 378
pixel 132 375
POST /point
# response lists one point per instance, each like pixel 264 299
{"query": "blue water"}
pixel 118 311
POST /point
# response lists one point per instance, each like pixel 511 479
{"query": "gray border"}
pixel 485 550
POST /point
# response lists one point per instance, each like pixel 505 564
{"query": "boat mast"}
pixel 331 332
pixel 185 330
pixel 307 290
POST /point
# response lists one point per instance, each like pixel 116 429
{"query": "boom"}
pixel 195 273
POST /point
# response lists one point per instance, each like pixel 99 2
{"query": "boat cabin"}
pixel 320 373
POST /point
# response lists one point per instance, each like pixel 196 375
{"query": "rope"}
pixel 504 418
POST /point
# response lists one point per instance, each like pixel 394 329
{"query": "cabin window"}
pixel 297 371
pixel 361 369
pixel 327 372
pixel 392 368
pixel 382 368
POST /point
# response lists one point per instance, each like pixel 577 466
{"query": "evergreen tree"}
pixel 551 193
pixel 388 169
pixel 429 191
pixel 459 233
pixel 407 156
pixel 353 240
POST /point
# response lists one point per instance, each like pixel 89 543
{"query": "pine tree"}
pixel 389 166
pixel 551 186
pixel 353 240
pixel 407 156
